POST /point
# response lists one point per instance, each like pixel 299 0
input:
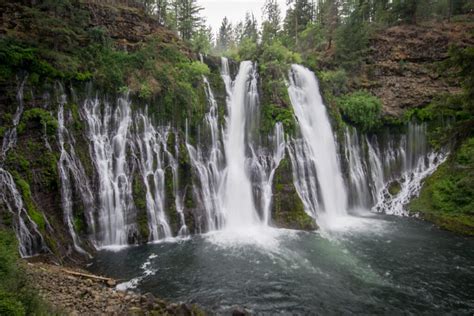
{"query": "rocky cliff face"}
pixel 402 66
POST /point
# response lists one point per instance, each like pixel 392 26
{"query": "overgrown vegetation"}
pixel 362 109
pixel 63 44
pixel 447 197
pixel 17 298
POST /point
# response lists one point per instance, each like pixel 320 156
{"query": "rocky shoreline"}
pixel 73 291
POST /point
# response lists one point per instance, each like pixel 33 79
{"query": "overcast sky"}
pixel 216 10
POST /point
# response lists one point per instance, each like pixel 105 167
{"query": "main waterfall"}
pixel 147 181
pixel 316 165
pixel 238 202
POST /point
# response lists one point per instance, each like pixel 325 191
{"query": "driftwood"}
pixel 109 281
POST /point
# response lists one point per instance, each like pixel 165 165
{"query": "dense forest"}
pixel 151 76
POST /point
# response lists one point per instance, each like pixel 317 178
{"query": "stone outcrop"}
pixel 402 67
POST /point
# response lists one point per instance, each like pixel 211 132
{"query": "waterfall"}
pixel 315 156
pixel 233 167
pixel 152 146
pixel 235 188
pixel 359 190
pixel 403 160
pixel 29 237
pixel 263 169
pixel 238 201
pixel 64 166
pixel 178 196
pixel 408 163
pixel 10 136
pixel 209 166
pixel 108 134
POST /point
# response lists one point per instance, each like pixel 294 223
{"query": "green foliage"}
pixel 334 81
pixel 49 123
pixel 15 56
pixel 248 50
pixel 16 296
pixel 352 42
pixel 30 205
pixel 275 62
pixel 362 109
pixel 273 114
pixel 447 198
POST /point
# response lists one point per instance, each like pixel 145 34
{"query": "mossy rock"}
pixel 139 197
pixel 394 188
pixel 288 209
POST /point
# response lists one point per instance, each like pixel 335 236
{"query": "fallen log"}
pixel 109 281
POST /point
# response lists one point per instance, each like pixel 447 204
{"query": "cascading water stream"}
pixel 238 201
pixel 318 150
pixel 178 196
pixel 150 143
pixel 67 165
pixel 10 136
pixel 29 237
pixel 264 167
pixel 108 135
pixel 209 167
pixel 403 161
pixel 358 172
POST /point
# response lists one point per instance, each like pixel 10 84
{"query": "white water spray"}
pixel 319 148
pixel 108 135
pixel 238 201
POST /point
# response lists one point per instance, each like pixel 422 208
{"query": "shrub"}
pixel 16 295
pixel 39 115
pixel 362 109
pixel 334 81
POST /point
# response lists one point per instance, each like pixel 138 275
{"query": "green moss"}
pixel 288 209
pixel 30 206
pixel 170 204
pixel 273 114
pixel 139 197
pixel 394 188
pixel 447 197
pixel 41 116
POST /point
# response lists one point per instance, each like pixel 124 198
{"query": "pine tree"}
pixel 187 17
pixel 271 20
pixel 298 17
pixel 250 27
pixel 224 38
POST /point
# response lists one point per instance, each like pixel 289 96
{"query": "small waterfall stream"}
pixel 318 151
pixel 69 165
pixel 150 144
pixel 108 135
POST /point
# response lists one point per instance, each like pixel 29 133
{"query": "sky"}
pixel 216 10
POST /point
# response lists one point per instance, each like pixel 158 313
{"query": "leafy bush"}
pixel 362 109
pixel 334 81
pixel 16 297
pixel 248 50
pixel 39 115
